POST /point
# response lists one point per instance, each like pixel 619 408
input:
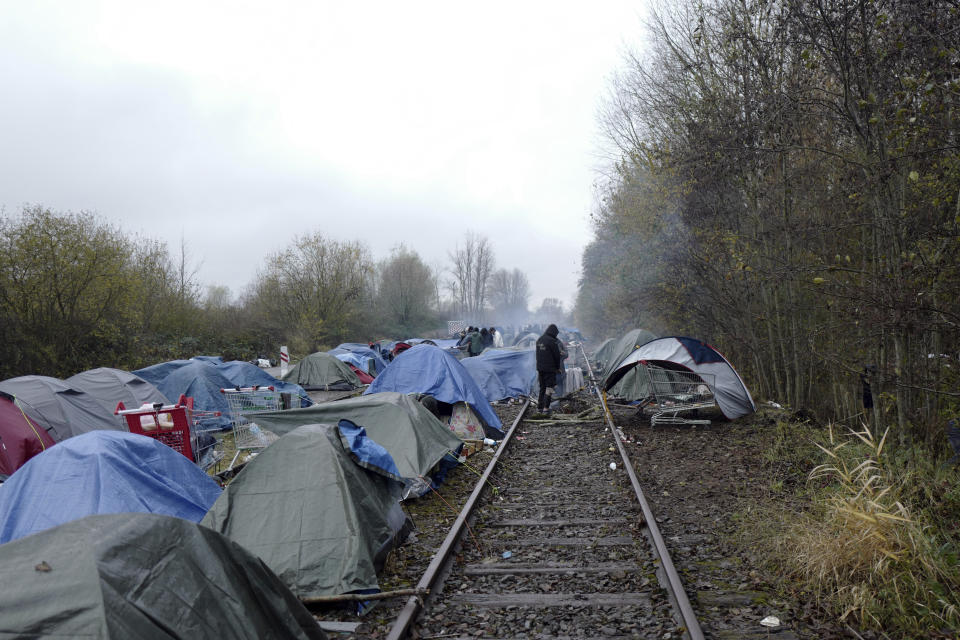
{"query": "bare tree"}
pixel 509 292
pixel 473 264
pixel 406 291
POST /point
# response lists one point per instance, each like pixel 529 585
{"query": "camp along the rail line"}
pixel 425 488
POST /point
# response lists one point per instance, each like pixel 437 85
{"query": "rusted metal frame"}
pixel 674 587
pixel 411 610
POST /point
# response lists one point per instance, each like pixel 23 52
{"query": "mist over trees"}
pixel 786 186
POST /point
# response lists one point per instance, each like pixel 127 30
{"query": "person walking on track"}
pixel 549 365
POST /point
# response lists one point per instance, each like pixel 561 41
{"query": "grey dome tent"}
pixel 314 510
pixel 731 395
pixel 138 575
pixel 415 439
pixel 110 386
pixel 634 383
pixel 60 408
pixel 323 371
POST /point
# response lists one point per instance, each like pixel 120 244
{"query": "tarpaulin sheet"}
pixel 143 576
pixel 516 369
pixel 428 369
pixel 102 472
pixel 317 518
pixel 201 381
pixel 416 440
pixel 157 372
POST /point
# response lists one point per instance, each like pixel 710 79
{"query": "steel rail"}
pixel 674 587
pixel 411 610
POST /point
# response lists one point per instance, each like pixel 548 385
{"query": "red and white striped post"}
pixel 284 361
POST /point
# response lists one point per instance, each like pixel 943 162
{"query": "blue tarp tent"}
pixel 102 472
pixel 379 364
pixel 484 373
pixel 516 368
pixel 155 373
pixel 244 374
pixel 201 381
pixel 429 369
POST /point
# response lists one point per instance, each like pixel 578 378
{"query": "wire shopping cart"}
pixel 676 396
pixel 243 401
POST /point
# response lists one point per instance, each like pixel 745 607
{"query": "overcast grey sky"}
pixel 238 125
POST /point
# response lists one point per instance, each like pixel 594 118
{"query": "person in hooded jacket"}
pixel 549 365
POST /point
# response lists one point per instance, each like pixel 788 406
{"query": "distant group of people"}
pixel 474 340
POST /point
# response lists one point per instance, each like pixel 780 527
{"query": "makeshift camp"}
pixel 136 575
pixel 430 370
pixel 244 374
pixel 689 354
pixel 20 437
pixel 371 360
pixel 110 386
pixel 515 370
pixel 322 371
pixel 61 409
pixel 318 506
pixel 102 472
pixel 416 440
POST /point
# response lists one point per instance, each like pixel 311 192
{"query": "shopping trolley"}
pixel 676 396
pixel 243 401
pixel 171 424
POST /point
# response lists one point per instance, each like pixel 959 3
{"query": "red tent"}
pixel 20 437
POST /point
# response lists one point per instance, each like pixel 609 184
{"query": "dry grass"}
pixel 862 550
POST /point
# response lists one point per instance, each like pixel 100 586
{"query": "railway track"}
pixel 553 543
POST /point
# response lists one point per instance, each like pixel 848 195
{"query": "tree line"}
pixel 77 292
pixel 784 184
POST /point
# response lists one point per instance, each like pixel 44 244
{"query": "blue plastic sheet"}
pixel 201 381
pixel 516 369
pixel 429 369
pixel 366 452
pixel 102 472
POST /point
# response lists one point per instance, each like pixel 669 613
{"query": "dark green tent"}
pixel 321 521
pixel 415 439
pixel 141 575
pixel 323 371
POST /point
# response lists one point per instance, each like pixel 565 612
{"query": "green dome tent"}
pixel 318 513
pixel 142 575
pixel 415 439
pixel 323 371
